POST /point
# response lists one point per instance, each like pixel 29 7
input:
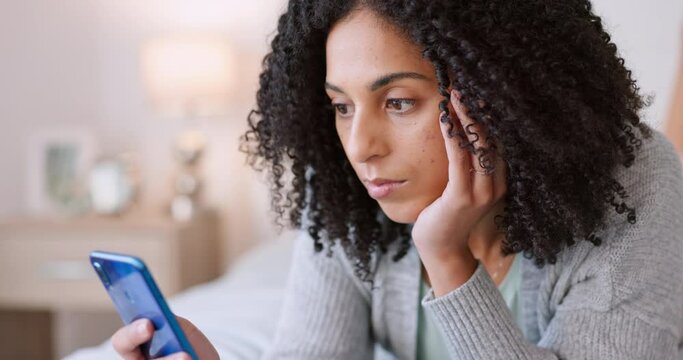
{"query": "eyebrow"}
pixel 383 81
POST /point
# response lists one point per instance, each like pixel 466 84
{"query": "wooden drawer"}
pixel 50 269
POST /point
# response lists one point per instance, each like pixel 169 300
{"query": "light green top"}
pixel 430 341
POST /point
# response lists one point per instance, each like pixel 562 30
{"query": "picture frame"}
pixel 57 169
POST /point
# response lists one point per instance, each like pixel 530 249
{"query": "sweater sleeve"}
pixel 324 315
pixel 478 325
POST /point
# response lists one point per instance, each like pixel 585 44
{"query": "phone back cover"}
pixel 134 300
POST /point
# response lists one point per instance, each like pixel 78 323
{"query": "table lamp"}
pixel 188 77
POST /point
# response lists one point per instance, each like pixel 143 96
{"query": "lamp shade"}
pixel 188 75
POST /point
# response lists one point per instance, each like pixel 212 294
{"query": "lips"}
pixel 379 188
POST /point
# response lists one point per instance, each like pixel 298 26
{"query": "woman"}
pixel 474 182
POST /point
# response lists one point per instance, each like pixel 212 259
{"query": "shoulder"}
pixel 330 264
pixel 655 172
pixel 654 188
pixel 637 266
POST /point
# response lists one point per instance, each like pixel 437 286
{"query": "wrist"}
pixel 447 273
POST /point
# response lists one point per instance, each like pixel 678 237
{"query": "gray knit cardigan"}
pixel 620 300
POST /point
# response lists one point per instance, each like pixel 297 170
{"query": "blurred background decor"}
pixel 188 149
pixel 141 137
pixel 112 185
pixel 58 166
pixel 192 78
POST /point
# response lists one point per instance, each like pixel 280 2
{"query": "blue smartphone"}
pixel 135 295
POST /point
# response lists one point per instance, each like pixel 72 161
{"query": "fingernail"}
pixel 455 94
pixel 142 328
pixel 443 118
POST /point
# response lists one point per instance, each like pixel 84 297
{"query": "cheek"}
pixel 433 151
pixel 340 131
pixel 342 135
pixel 434 167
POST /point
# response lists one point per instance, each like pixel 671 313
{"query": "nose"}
pixel 367 138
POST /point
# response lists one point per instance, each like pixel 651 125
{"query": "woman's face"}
pixel 387 115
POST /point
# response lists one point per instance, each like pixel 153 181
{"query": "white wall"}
pixel 75 63
pixel 649 35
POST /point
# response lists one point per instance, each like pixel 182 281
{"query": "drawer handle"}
pixel 67 270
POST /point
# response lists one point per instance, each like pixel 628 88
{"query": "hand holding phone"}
pixel 151 331
pixel 127 340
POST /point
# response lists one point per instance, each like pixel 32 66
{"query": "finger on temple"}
pixel 474 132
pixel 459 159
pixel 482 158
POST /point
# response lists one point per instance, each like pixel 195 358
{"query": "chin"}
pixel 401 213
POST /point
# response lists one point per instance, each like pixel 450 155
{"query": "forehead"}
pixel 363 45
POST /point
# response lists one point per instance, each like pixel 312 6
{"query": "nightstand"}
pixel 44 268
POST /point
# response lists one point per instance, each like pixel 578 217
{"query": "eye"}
pixel 400 105
pixel 343 110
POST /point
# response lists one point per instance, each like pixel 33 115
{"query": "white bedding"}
pixel 238 312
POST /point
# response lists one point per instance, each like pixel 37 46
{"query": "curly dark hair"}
pixel 541 76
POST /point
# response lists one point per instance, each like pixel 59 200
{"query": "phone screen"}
pixel 135 296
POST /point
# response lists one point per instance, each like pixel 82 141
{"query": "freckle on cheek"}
pixel 431 161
